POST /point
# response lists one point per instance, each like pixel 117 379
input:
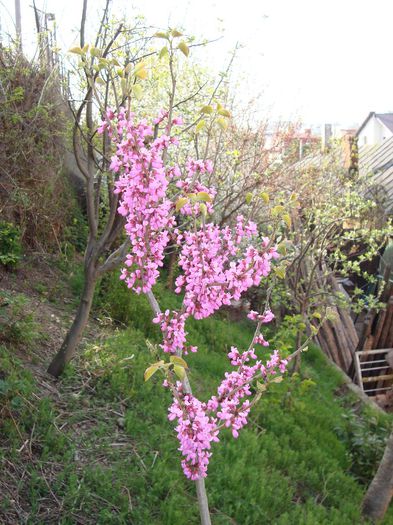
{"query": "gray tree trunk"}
pixel 74 335
pixel 380 492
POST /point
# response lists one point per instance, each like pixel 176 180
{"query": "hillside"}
pixel 96 447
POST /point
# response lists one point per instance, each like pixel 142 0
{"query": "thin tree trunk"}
pixel 74 335
pixel 380 492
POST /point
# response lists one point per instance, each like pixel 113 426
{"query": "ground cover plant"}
pixel 101 449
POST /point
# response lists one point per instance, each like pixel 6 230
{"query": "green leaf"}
pixel 179 371
pixel 100 81
pixel 161 34
pixel 203 196
pixel 277 379
pixel 199 127
pixel 203 209
pixel 265 197
pixel 208 110
pixel 222 123
pixel 95 52
pixel 261 387
pixel 280 272
pixel 141 73
pixel 287 219
pixel 184 48
pixel 76 50
pixel 178 361
pixel 317 315
pixel 180 203
pixel 277 210
pixel 151 370
pixel 85 48
pixel 224 112
pixel 249 196
pixel 163 53
pixel 175 33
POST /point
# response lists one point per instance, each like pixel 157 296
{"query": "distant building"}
pixel 377 128
pixel 375 153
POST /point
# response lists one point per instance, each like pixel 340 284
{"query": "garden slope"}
pixel 97 448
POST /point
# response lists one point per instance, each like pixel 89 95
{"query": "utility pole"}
pixel 18 24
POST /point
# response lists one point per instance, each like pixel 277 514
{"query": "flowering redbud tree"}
pixel 166 204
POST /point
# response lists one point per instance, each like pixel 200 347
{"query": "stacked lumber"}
pixel 373 363
pixel 338 338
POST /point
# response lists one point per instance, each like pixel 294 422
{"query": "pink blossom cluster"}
pixel 142 186
pixel 215 272
pixel 199 423
pixel 266 317
pixel 218 265
pixel 195 431
pixel 191 185
pixel 172 325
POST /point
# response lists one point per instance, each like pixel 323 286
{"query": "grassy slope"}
pixel 115 458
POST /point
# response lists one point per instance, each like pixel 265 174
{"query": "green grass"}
pixel 305 458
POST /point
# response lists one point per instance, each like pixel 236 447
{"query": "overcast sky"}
pixel 322 61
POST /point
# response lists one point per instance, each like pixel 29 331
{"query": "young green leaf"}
pixel 141 73
pixel 203 196
pixel 179 371
pixel 248 197
pixel 208 110
pixel 95 52
pixel 76 50
pixel 287 219
pixel 199 127
pixel 277 210
pixel 178 361
pixel 222 123
pixel 150 371
pixel 203 209
pixel 224 112
pixel 184 48
pixel 161 34
pixel 265 197
pixel 181 202
pixel 163 53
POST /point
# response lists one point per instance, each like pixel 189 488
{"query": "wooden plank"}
pixel 379 389
pixel 385 377
pixel 358 371
pixel 375 351
pixel 388 323
pixel 375 368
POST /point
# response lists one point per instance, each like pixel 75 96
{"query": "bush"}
pixel 10 244
pixel 34 192
pixel 17 325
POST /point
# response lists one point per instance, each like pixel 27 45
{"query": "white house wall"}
pixel 374 132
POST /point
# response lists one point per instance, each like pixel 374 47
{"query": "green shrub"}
pixel 17 325
pixel 10 244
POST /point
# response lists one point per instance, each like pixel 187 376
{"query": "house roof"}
pixel 385 118
pixel 377 161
